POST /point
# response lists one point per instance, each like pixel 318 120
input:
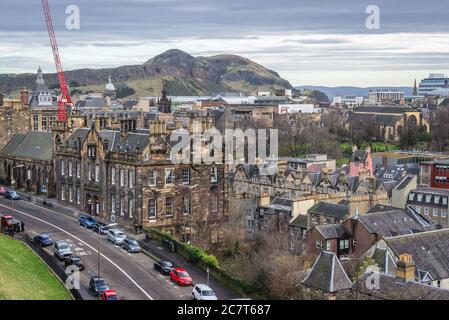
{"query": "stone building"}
pixel 14 117
pixel 127 176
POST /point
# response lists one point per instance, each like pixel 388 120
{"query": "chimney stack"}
pixel 24 97
pixel 405 270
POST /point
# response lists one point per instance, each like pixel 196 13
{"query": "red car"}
pixel 181 277
pixel 2 190
pixel 109 295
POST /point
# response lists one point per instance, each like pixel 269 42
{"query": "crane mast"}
pixel 64 99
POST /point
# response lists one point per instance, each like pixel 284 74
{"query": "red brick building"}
pixel 435 174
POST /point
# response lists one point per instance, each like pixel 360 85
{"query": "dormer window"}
pixel 92 152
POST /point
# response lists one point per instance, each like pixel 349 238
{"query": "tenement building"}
pixel 127 176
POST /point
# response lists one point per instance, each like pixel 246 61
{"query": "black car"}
pixel 74 260
pixel 131 245
pixel 100 227
pixel 163 267
pixel 97 285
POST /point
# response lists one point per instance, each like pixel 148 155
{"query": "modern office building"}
pixel 433 82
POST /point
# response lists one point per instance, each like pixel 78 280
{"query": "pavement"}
pixel 131 275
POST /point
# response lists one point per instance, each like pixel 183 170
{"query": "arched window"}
pixel 412 121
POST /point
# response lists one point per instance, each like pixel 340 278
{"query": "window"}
pixel 443 213
pixel 70 168
pixel 426 211
pixel 318 244
pixel 152 208
pixel 344 244
pixel 62 168
pixel 113 176
pixel 131 208
pixel 418 209
pixel 35 122
pixel 62 192
pixel 113 203
pixel 122 178
pixel 328 246
pixel 71 194
pixel 428 197
pixel 213 174
pixel 168 176
pixel 78 196
pixel 185 174
pixel 169 207
pixel 436 199
pixel 78 170
pixel 152 178
pixel 444 200
pixel 122 206
pixel 435 212
pixel 44 123
pixel 29 174
pixel 131 179
pixel 214 204
pixel 411 196
pixel 420 197
pixel 92 151
pixel 185 207
pixel 52 122
pixel 97 173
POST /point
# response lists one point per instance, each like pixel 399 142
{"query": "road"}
pixel 131 275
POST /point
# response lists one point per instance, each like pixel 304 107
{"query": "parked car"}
pixel 74 260
pixel 181 277
pixel 116 236
pixel 7 222
pixel 86 221
pixel 62 250
pixel 100 227
pixel 109 295
pixel 203 292
pixel 2 190
pixel 131 245
pixel 97 285
pixel 12 195
pixel 163 267
pixel 43 239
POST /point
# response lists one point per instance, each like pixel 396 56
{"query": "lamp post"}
pixel 99 253
pixel 12 185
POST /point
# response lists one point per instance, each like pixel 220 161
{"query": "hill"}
pixel 181 73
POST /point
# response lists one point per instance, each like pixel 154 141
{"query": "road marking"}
pixel 75 237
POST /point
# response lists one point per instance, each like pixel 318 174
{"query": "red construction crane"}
pixel 64 99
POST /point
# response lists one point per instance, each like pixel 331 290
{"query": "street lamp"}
pixel 99 254
pixel 12 185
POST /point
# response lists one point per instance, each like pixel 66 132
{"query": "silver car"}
pixel 62 250
pixel 116 236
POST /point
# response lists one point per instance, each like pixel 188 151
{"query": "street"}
pixel 131 275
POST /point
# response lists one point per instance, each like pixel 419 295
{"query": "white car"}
pixel 203 292
pixel 116 236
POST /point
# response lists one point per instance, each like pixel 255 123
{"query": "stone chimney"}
pixel 264 200
pixel 24 97
pixel 405 270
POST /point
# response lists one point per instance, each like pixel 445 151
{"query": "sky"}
pixel 308 42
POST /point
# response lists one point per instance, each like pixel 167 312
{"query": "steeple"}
pixel 415 89
pixel 40 76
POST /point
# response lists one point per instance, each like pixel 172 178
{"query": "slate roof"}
pixel 327 274
pixel 428 249
pixel 299 222
pixel 393 221
pixel 383 109
pixel 34 145
pixel 391 289
pixel 90 102
pixel 436 197
pixel 339 211
pixel 407 179
pixel 358 156
pixel 332 231
pixel 388 119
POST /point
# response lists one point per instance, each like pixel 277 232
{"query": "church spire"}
pixel 415 89
pixel 40 76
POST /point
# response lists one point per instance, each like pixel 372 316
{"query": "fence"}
pixel 52 262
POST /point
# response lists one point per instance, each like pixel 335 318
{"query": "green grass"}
pixel 24 276
pixel 342 161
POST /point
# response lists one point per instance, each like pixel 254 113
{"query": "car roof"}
pixel 110 292
pixel 61 241
pixel 203 286
pixel 44 235
pixel 180 270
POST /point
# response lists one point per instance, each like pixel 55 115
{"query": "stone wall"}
pixel 13 120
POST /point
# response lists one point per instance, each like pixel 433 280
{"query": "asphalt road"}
pixel 131 275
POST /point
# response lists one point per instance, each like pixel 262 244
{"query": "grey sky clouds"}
pixel 307 41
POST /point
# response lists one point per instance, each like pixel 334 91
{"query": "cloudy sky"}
pixel 313 42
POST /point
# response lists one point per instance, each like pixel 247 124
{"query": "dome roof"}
pixel 109 86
